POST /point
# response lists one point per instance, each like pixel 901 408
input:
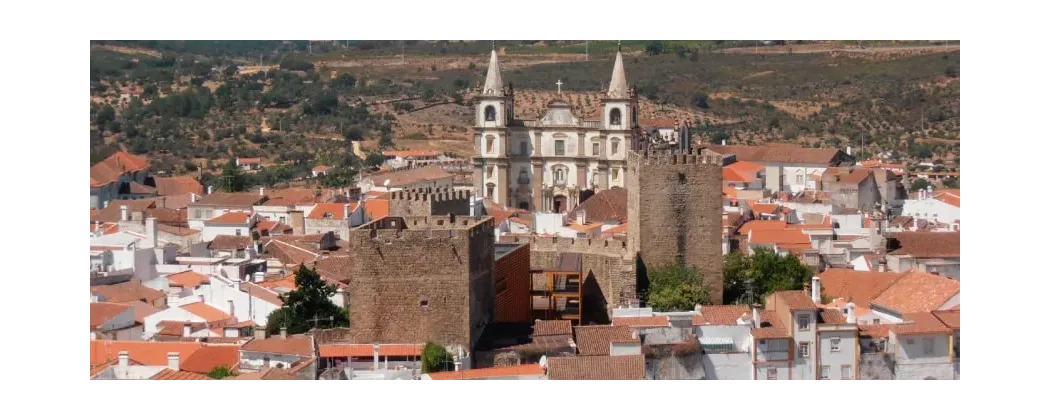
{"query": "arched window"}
pixel 614 116
pixel 560 174
pixel 490 113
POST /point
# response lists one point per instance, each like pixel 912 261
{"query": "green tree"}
pixel 232 180
pixel 676 287
pixel 104 115
pixel 353 133
pixel 747 276
pixel 700 100
pixel 220 372
pixel 436 358
pixel 951 183
pixel 374 159
pixel 919 184
pixel 654 48
pixel 310 300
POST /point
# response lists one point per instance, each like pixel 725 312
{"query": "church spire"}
pixel 618 85
pixel 493 80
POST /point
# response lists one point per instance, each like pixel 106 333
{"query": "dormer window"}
pixel 490 113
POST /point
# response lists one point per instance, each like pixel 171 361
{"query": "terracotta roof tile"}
pixel 117 164
pixel 594 340
pixel 952 197
pixel 745 167
pixel 149 353
pixel 206 311
pixel 949 317
pixel 177 328
pixel 757 225
pixel 168 374
pixel 831 316
pixel 596 368
pixel 605 206
pixel 263 293
pixel 236 200
pixel 127 292
pixel 642 321
pixel 178 185
pixel 765 208
pixel 732 175
pixel 793 299
pixel 211 357
pixel 874 330
pixel 491 373
pixel 658 123
pixel 720 314
pixel 365 350
pixel 544 328
pixel 178 231
pixel 851 175
pixel 769 332
pixel 377 208
pixel 860 286
pixel 269 374
pixel 103 312
pixel 188 278
pixel 230 242
pixel 782 237
pixel 335 211
pixel 917 292
pixel 142 310
pixel 920 323
pixel 112 211
pixel 290 253
pixel 337 268
pixel 321 168
pixel 231 218
pixel 301 345
pixel 927 244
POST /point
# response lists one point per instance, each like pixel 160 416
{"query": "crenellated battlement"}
pixel 419 228
pixel 430 194
pixel 559 244
pixel 674 157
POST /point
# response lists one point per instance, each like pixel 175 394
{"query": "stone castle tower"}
pixel 674 210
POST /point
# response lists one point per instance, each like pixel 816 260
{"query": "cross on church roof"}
pixel 559 86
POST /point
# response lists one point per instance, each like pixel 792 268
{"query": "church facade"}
pixel 553 163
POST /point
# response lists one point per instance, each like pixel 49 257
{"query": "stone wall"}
pixel 429 202
pixel 608 268
pixel 674 211
pixel 876 366
pixel 419 279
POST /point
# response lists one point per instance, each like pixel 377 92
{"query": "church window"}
pixel 616 173
pixel 560 173
pixel 489 141
pixel 798 179
pixel 614 116
pixel 559 148
pixel 595 149
pixel 490 113
pixel 615 146
pixel 492 171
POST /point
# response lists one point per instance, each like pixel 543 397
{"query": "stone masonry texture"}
pixel 419 279
pixel 674 211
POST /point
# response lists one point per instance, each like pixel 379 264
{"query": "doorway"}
pixel 559 203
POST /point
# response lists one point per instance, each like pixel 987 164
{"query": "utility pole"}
pixel 586 51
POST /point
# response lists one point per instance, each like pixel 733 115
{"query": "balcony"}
pixel 566 284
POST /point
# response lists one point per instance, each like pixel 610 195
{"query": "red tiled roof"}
pixel 142 310
pixel 188 278
pixel 206 311
pixel 211 357
pixel 874 330
pixel 720 314
pixel 300 345
pixel 769 332
pixel 605 206
pixel 746 167
pixel 490 373
pixel 851 175
pixel 232 218
pixel 230 242
pixel 290 254
pixel 263 293
pixel 594 340
pixel 920 323
pixel 113 167
pixel 620 229
pixel 335 211
pixel 782 238
pixel 269 374
pixel 177 328
pixel 365 350
pixel 377 208
pixel 658 123
pixel 952 196
pixel 112 211
pixel 127 292
pixel 949 317
pixel 793 299
pixel 321 168
pixel 642 321
pixel 178 185
pixel 732 175
pixel 917 292
pixel 758 225
pixel 927 244
pixel 831 316
pixel 168 374
pixel 544 328
pixel 149 353
pixel 860 286
pixel 765 208
pixel 226 200
pixel 248 161
pixel 103 312
pixel 596 368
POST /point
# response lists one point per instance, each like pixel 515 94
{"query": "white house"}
pixel 193 312
pixel 249 164
pixel 787 167
pixel 922 348
pixel 114 321
pixel 232 223
pixel 280 351
pixel 933 206
pixel 320 170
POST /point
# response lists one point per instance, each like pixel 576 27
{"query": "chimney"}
pixel 173 361
pixel 375 357
pixel 457 364
pixel 260 333
pixel 209 190
pixel 346 211
pixel 849 150
pixel 295 220
pixel 815 290
pixel 122 359
pixel 151 231
pixel 756 317
pixel 193 198
pixel 124 212
pixel 284 332
pixel 851 313
pixel 187 329
pixel 581 217
pixel 258 276
pixel 882 265
pixel 96 225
